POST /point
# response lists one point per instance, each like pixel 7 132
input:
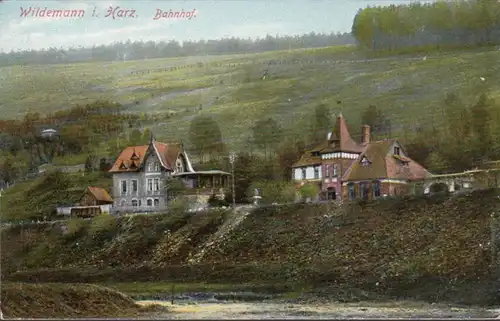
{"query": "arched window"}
pixel 134 203
pixel 179 166
pixel 150 202
pixel 123 203
pixel 157 202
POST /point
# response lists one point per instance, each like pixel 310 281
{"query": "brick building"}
pixel 345 169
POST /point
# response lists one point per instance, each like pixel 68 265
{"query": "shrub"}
pixel 102 226
pixel 308 191
pixel 178 206
pixel 75 228
pixel 273 192
pixel 214 201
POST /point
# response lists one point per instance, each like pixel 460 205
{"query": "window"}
pixel 150 166
pixel 303 173
pixel 124 187
pixel 150 202
pixel 334 170
pixel 157 184
pixel 327 170
pixel 157 202
pixel 365 162
pixel 157 166
pixel 134 203
pixel 396 150
pixel 351 191
pixel 364 191
pixel 123 203
pixel 316 172
pixel 150 184
pixel 179 168
pixel 376 189
pixel 135 186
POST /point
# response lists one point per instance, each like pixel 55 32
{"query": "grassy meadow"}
pixel 233 91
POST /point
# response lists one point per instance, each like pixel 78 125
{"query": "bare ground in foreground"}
pixel 274 310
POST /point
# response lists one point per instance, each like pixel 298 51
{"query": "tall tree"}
pixel 374 117
pixel 480 121
pixel 321 122
pixel 267 134
pixel 206 137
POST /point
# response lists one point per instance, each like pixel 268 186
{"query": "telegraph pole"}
pixel 231 160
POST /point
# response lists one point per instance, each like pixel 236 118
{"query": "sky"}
pixel 209 20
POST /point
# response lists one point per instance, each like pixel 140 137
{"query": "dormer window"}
pixel 156 166
pixel 122 165
pixel 315 153
pixel 397 150
pixel 179 166
pixel 134 156
pixel 365 162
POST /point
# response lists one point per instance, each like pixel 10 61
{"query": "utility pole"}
pixel 231 160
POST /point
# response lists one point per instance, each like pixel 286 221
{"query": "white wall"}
pixel 309 172
pixel 297 173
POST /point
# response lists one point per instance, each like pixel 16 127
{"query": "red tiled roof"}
pixel 125 163
pixel 100 194
pixel 131 158
pixel 384 165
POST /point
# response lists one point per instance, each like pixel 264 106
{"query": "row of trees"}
pixel 436 24
pixel 468 135
pixel 122 51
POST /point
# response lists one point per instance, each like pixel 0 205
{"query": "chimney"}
pixel 365 134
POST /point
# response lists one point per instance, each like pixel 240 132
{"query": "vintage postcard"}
pixel 249 159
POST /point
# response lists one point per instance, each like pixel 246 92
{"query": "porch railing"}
pixel 206 191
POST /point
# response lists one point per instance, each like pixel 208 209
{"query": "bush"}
pixel 178 206
pixel 75 228
pixel 273 192
pixel 174 188
pixel 308 191
pixel 214 201
pixel 103 226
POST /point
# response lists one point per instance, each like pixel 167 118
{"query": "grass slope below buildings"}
pixel 434 249
pixel 36 198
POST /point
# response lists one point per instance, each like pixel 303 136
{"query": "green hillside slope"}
pixel 234 91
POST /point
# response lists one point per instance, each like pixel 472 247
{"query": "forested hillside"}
pixel 439 24
pixel 139 50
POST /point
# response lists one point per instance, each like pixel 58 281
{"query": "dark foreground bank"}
pixel 20 300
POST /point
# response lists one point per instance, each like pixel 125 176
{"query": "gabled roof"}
pixel 341 139
pixel 383 164
pixel 124 161
pixel 100 194
pixel 307 160
pixel 131 159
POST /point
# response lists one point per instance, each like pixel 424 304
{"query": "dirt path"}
pixel 310 311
